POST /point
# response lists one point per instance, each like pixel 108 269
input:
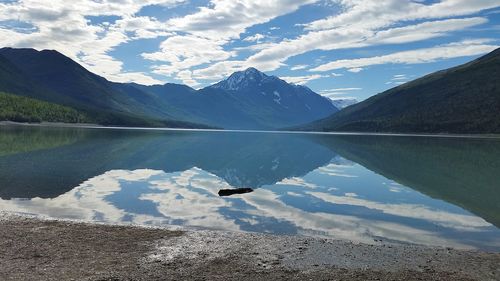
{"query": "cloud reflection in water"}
pixel 340 201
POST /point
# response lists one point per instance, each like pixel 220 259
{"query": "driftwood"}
pixel 229 192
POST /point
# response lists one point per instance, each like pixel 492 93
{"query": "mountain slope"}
pixel 463 99
pixel 71 84
pixel 14 80
pixel 24 109
pixel 50 76
pixel 271 101
pixel 246 100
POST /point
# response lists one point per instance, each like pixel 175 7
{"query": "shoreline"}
pixel 97 126
pixel 47 249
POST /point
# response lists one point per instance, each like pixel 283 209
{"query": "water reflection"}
pixel 242 160
pixel 425 191
pixel 464 172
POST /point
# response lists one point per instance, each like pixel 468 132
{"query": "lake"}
pixel 434 191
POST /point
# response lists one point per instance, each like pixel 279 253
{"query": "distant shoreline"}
pixel 48 124
pixel 97 126
pixel 93 251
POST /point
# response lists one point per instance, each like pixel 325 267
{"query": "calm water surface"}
pixel 424 190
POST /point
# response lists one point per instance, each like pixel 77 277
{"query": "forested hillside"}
pixel 24 109
pixel 463 99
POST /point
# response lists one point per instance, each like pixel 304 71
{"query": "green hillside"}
pixel 23 109
pixel 25 73
pixel 464 99
pixel 247 99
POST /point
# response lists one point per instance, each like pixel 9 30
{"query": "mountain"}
pixel 343 103
pixel 52 77
pixel 270 101
pixel 22 109
pixel 463 99
pixel 246 100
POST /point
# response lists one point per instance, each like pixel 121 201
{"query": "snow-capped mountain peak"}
pixel 241 79
pixel 266 95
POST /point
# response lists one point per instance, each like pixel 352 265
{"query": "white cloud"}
pixel 399 77
pixel 142 27
pixel 355 69
pixel 425 55
pixel 228 19
pixel 339 93
pixel 360 24
pixel 210 29
pixel 373 14
pixel 343 89
pixel 125 77
pixel 254 47
pixel 299 67
pixel 422 31
pixel 220 70
pixel 254 38
pixel 186 76
pixel 196 46
pixel 356 36
pixel 65 27
pixel 184 52
pixel 301 80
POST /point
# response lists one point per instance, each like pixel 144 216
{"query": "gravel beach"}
pixel 35 249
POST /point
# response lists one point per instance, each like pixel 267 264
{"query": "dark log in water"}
pixel 229 192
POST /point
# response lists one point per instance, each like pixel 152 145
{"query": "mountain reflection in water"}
pixel 433 191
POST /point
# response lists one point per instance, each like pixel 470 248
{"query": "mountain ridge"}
pixel 462 99
pixel 275 96
pixel 55 78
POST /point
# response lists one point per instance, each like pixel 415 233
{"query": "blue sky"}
pixel 338 48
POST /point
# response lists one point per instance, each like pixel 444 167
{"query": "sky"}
pixel 338 48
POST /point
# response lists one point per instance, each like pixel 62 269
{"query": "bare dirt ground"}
pixel 32 249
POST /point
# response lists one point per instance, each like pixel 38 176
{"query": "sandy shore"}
pixel 32 249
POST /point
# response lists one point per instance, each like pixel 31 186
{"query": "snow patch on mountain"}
pixel 343 103
pixel 277 98
pixel 241 79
